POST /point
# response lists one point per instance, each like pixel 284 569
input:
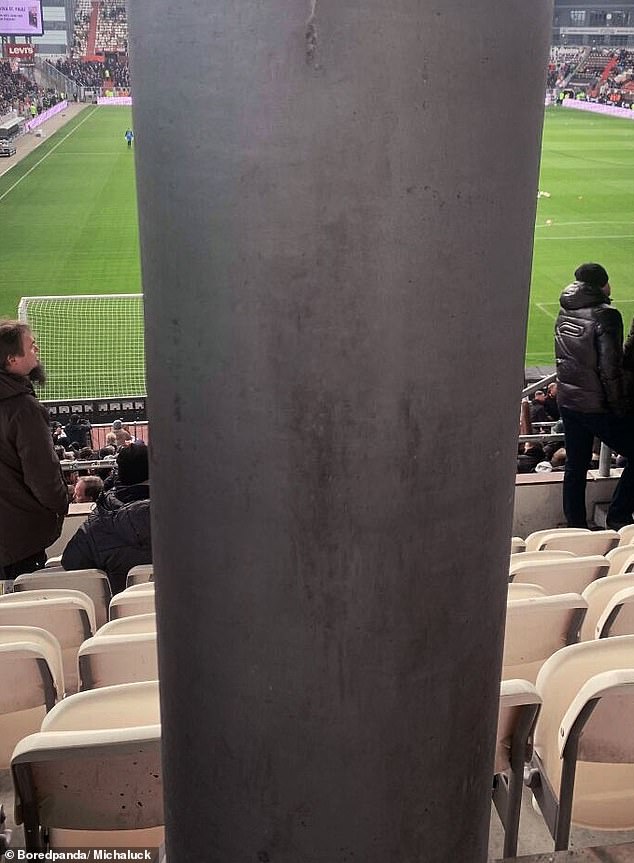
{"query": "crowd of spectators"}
pixel 81 26
pixel 74 444
pixel 114 479
pixel 94 74
pixel 561 63
pixel 112 27
pixel 619 86
pixel 18 93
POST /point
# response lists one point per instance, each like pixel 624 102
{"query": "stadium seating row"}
pixel 575 728
pixel 106 738
pixel 539 626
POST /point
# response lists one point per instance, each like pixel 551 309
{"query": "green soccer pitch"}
pixel 68 219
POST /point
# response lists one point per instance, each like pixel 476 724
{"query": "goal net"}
pixel 91 346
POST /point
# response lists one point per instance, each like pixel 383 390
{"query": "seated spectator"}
pixel 111 439
pixel 532 455
pixel 86 454
pixel 108 452
pixel 87 489
pixel 121 435
pixel 116 536
pixel 538 408
pixel 59 435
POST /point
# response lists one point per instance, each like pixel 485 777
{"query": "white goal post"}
pixel 91 345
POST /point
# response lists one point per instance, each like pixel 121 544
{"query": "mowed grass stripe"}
pixel 588 170
pixel 44 157
pixel 71 226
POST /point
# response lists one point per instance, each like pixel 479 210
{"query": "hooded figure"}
pixel 590 391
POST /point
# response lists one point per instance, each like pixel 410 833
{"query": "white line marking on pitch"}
pixel 46 155
pixel 541 307
pixel 585 237
pixel 573 224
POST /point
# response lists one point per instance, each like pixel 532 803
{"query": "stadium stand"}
pixel 112 28
pixel 18 93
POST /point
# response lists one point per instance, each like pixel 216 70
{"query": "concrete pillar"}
pixel 336 213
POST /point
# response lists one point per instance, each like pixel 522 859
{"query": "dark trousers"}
pixel 29 564
pixel 580 431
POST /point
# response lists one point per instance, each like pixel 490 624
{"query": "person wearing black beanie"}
pixel 591 391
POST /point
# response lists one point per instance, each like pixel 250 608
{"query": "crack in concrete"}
pixel 311 34
pixel 313 12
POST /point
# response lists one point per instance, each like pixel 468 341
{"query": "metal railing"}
pixel 52 77
pixel 605 454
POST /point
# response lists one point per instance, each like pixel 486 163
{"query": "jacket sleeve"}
pixel 609 343
pixel 79 552
pixel 40 466
pixel 628 350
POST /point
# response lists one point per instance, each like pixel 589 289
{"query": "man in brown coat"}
pixel 33 495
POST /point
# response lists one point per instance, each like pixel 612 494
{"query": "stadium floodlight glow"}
pixel 21 18
pixel 91 345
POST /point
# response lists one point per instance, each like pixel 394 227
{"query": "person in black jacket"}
pixel 591 391
pixel 116 535
pixel 33 495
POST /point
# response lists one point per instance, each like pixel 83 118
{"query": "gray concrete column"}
pixel 336 212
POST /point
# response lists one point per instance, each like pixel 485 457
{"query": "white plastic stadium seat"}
pixel 107 660
pixel 42 594
pixel 32 682
pixel 137 623
pixel 519 707
pixel 68 616
pixel 621 559
pixel 579 541
pixel 627 534
pixel 116 773
pixel 598 595
pixel 140 587
pixel 517 545
pixel 524 591
pixel 120 706
pixel 125 604
pixel 544 555
pixel 618 615
pixel 537 628
pixel 533 540
pixel 584 738
pixel 570 575
pixel 140 574
pixel 93 582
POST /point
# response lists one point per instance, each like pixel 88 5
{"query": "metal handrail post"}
pixel 605 460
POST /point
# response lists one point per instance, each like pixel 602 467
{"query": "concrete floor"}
pixel 534 837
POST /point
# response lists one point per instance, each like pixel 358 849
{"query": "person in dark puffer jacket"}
pixel 116 536
pixel 591 391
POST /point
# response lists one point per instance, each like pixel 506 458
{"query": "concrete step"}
pixel 610 854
